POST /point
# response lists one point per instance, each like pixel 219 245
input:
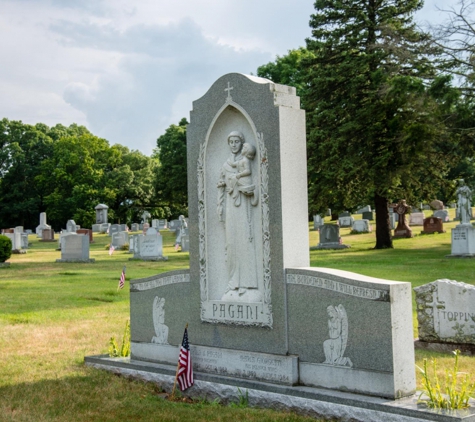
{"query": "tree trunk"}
pixel 383 228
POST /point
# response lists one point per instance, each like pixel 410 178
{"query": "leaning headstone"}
pixel 252 300
pixel 401 209
pixel 42 225
pixel 416 219
pixel 75 248
pixel 101 214
pixel 346 221
pixel 443 215
pixel 433 225
pixel 317 222
pixel 446 312
pixel 361 226
pixel 463 235
pixel 368 215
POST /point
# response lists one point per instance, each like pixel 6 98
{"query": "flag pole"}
pixel 177 368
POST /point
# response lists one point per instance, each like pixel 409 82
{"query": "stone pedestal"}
pixel 463 241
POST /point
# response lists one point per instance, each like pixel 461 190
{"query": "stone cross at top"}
pixel 401 209
pixel 228 89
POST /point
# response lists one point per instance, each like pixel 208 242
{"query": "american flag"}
pixel 111 250
pixel 122 279
pixel 185 368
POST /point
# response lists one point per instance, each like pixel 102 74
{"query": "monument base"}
pixel 463 241
pixel 465 349
pixel 86 261
pixel 309 401
pixel 330 246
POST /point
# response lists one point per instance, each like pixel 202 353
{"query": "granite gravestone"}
pixel 135 227
pixel 361 226
pixel 162 224
pixel 317 222
pixel 366 208
pixel 368 215
pixel 255 308
pixel 446 312
pixel 101 214
pixel 149 246
pixel 433 225
pixel 330 237
pixel 443 215
pixel 416 219
pixel 401 209
pixel 47 235
pixel 71 226
pixel 75 248
pixel 115 228
pixel 42 225
pixel 346 221
pixel 119 239
pixel 87 232
pixel 463 235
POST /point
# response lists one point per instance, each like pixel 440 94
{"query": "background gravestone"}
pixel 75 248
pixel 101 214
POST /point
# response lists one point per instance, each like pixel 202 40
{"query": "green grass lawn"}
pixel 53 314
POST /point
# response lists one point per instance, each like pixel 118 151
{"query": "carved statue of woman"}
pixel 237 194
pixel 335 346
pixel 464 196
pixel 161 330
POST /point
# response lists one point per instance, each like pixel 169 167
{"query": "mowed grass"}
pixel 53 314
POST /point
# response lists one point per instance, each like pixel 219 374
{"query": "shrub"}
pixel 5 248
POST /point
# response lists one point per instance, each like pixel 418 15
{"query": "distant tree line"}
pixel 67 171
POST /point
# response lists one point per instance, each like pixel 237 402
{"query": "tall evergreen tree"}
pixel 372 124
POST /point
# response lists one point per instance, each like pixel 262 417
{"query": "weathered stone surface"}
pixel 446 311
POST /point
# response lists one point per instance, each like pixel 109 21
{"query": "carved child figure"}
pixel 244 174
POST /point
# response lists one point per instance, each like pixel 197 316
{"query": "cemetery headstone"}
pixel 362 226
pixel 402 229
pixel 101 214
pixel 86 232
pixel 115 228
pixel 416 219
pixel 446 312
pixel 252 301
pixel 71 226
pixel 15 237
pixel 135 227
pixel 24 241
pixel 119 239
pixel 47 235
pixel 330 238
pixel 437 205
pixel 346 221
pixel 105 227
pixel 366 208
pixel 155 223
pixel 75 248
pixel 443 215
pixel 317 222
pixel 180 231
pixel 149 246
pixel 463 235
pixel 368 215
pixel 42 225
pixel 433 225
pixel 162 224
pixel 96 228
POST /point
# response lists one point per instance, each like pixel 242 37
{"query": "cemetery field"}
pixel 53 314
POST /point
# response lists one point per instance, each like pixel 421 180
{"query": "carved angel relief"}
pixel 335 346
pixel 161 330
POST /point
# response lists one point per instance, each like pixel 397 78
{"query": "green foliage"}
pixel 243 399
pixel 456 391
pixel 374 129
pixel 5 248
pixel 171 176
pixel 123 351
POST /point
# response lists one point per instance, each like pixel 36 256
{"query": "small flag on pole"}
pixel 122 279
pixel 111 250
pixel 185 368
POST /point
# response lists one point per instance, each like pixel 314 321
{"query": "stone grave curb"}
pixel 315 402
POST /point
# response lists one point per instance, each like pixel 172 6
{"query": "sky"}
pixel 126 69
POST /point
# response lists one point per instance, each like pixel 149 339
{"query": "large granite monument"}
pixel 256 311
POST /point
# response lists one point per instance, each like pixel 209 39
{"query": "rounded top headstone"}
pixel 101 207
